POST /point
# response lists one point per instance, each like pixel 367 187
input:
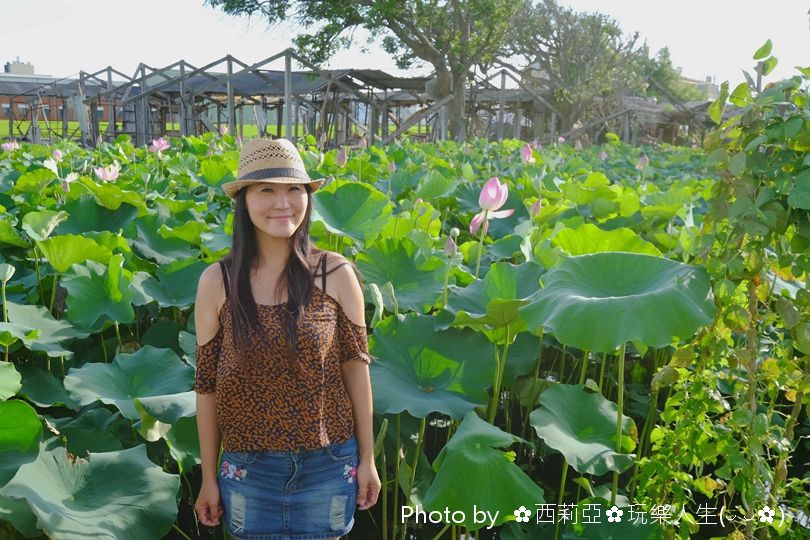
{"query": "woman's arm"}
pixel 206 321
pixel 354 360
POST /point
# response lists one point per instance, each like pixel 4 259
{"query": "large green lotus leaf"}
pixel 121 495
pixel 10 333
pixel 423 217
pixel 41 388
pixel 64 251
pixel 91 431
pixel 596 186
pixel 20 431
pixel 598 301
pixel 352 208
pixel 111 196
pixel 435 185
pixel 10 236
pixel 97 293
pixel 421 371
pixel 586 433
pixel 589 238
pixel 170 408
pixel 144 373
pixel 86 216
pixel 189 231
pixel 472 472
pixel 151 244
pixel 489 305
pixel 40 225
pixel 33 182
pixel 9 380
pixel 215 170
pixel 19 514
pixel 50 333
pixel 175 285
pixel 184 443
pixel 416 279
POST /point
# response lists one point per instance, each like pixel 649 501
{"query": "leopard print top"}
pixel 268 406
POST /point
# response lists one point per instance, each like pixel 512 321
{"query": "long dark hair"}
pixel 296 277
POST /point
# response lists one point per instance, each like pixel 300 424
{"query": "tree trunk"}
pixel 457 121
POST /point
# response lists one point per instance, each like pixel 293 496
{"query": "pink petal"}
pixel 488 199
pixel 476 222
pixel 502 213
pixel 503 194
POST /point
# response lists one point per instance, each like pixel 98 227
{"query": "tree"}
pixel 588 63
pixel 586 60
pixel 450 35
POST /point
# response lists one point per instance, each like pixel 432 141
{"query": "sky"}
pixel 714 38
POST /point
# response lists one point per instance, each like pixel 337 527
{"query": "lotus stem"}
pixel 103 348
pixel 602 374
pixel 441 532
pixel 651 408
pixel 535 375
pixel 446 281
pixel 384 493
pixel 500 365
pixel 619 402
pixel 180 531
pixel 118 335
pixel 480 247
pixel 53 291
pixel 412 480
pixel 560 496
pixel 396 480
pixel 585 364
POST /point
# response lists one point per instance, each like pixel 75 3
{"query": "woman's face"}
pixel 276 209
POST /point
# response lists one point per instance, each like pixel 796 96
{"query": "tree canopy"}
pixel 450 35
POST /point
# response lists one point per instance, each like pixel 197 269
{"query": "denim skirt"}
pixel 290 495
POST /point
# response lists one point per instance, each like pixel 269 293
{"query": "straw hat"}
pixel 269 160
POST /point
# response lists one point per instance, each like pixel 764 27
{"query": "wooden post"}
pixel 229 90
pixel 501 105
pixel 288 96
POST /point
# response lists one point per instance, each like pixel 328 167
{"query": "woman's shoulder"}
pixel 333 260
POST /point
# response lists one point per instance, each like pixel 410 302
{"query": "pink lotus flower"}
pixel 159 145
pixel 342 157
pixel 492 197
pixel 223 130
pixel 57 155
pixel 560 140
pixel 535 208
pixel 526 155
pixel 50 164
pixel 72 177
pixel 450 248
pixel 109 173
pixel 603 155
pixel 10 146
pixel 642 162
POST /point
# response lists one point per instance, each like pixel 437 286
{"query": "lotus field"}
pixel 597 342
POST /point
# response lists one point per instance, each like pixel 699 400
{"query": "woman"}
pixel 282 367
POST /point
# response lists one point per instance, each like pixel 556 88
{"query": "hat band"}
pixel 261 174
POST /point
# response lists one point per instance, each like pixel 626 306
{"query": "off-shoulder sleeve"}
pixel 353 340
pixel 205 381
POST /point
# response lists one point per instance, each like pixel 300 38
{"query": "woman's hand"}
pixel 368 485
pixel 208 507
